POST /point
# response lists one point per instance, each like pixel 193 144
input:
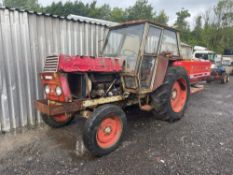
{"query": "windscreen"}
pixel 228 52
pixel 125 43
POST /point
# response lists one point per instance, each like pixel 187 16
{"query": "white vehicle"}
pixel 227 63
pixel 204 53
pixel 227 57
pixel 228 53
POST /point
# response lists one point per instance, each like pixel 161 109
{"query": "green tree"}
pixel 181 22
pixel 198 24
pixel 23 4
pixel 161 18
pixel 77 8
pixel 197 32
pixel 182 25
pixel 140 10
pixel 102 12
pixel 117 15
pixel 224 13
pixel 219 30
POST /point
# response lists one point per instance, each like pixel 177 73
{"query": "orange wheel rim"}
pixel 179 95
pixel 109 132
pixel 61 118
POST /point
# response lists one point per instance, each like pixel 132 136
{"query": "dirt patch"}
pixel 200 143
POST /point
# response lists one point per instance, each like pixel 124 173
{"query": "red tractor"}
pixel 140 64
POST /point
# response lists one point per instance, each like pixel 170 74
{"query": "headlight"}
pixel 47 89
pixel 58 91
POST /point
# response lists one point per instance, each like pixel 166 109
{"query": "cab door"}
pixel 149 58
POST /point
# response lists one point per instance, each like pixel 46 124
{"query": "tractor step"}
pixel 196 88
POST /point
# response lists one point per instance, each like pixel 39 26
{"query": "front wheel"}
pixel 104 130
pixel 169 101
pixel 57 121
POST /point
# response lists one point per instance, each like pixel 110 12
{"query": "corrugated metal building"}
pixel 26 38
pixel 186 50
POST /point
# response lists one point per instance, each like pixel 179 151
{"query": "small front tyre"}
pixel 104 130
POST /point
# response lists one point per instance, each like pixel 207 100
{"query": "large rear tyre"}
pixel 57 121
pixel 104 130
pixel 170 100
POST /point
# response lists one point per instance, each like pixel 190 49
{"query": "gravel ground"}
pixel 200 143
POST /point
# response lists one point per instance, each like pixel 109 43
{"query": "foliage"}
pixel 213 29
pixel 162 18
pixel 218 28
pixel 22 4
pixel 182 25
pixel 117 15
pixel 140 10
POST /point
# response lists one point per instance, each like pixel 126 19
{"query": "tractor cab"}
pixel 139 44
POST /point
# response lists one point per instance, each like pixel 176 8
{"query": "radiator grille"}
pixel 51 64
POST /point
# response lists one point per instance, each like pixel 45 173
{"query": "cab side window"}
pixel 152 41
pixel 169 42
pixel 149 58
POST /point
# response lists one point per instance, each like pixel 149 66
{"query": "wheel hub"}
pixel 174 94
pixel 178 95
pixel 107 130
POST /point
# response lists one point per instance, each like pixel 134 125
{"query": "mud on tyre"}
pixel 170 99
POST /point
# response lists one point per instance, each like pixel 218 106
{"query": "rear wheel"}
pixel 170 99
pixel 104 130
pixel 57 121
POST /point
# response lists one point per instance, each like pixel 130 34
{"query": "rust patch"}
pixel 161 71
pixel 44 107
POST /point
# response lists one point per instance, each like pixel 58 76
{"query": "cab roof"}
pixel 135 22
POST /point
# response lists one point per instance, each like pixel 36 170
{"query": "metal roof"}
pixel 141 22
pixel 92 20
pixel 69 17
pixel 185 44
